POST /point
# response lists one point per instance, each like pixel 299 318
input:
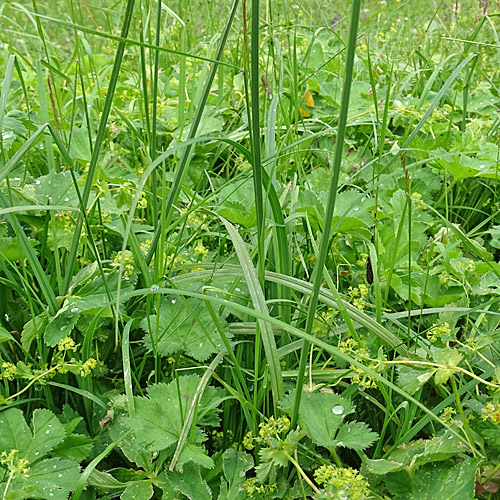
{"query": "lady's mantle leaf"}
pixel 323 417
pixel 437 480
pixel 182 324
pixel 159 418
pixel 235 464
pixel 139 490
pixel 190 483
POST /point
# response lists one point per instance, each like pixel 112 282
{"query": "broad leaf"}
pixel 235 464
pixel 159 418
pixel 190 483
pixel 182 324
pixel 140 490
pixel 439 481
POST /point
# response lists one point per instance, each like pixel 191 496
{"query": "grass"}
pixel 249 249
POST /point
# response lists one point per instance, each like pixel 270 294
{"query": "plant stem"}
pixel 462 416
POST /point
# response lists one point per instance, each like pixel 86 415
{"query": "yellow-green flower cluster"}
pixel 438 331
pixel 145 245
pixel 267 431
pixel 252 486
pixel 350 346
pixel 342 482
pixel 491 412
pixel 417 198
pixel 447 415
pixel 363 379
pixel 363 259
pixel 358 295
pixel 196 221
pixel 66 344
pixel 9 370
pixel 16 466
pixel 200 251
pixel 87 367
pixel 249 441
pixel 128 262
pixel 273 428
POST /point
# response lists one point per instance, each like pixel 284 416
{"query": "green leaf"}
pixel 495 236
pixel 105 482
pixel 438 481
pixel 47 433
pixel 189 483
pixel 55 476
pixel 490 284
pixel 416 454
pixel 5 335
pixel 323 416
pixel 140 490
pixel 195 454
pixel 33 328
pixel 14 432
pixel 56 188
pixel 411 379
pixel 182 324
pixel 61 325
pixel 235 464
pixel 11 250
pixel 50 479
pixel 172 403
pixel 131 448
pixel 80 147
pixel 74 447
pixel 450 358
pixel 356 436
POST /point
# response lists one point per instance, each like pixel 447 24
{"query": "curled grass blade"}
pixel 259 302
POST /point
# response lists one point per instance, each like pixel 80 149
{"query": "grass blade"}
pixel 260 305
pixel 317 276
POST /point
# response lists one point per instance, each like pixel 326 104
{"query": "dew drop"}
pixel 66 199
pixel 482 166
pixel 37 453
pixel 356 209
pixel 174 301
pixel 74 309
pixel 37 182
pixel 47 432
pixel 338 409
pixel 154 288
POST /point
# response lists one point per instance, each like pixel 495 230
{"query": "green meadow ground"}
pixel 249 250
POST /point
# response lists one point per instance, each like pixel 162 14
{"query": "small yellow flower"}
pixel 200 251
pixel 87 367
pixel 67 344
pixel 438 331
pixel 491 412
pixel 8 370
pixel 342 482
pixel 248 441
pixel 447 414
